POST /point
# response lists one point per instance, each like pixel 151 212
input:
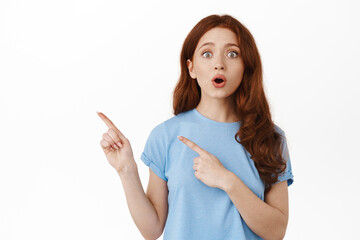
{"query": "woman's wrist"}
pixel 128 169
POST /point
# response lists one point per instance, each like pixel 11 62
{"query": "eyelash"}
pixel 231 51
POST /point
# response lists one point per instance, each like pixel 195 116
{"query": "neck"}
pixel 220 110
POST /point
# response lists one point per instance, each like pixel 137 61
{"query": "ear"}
pixel 191 69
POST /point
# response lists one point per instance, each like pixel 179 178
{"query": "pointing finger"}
pixel 107 121
pixel 110 124
pixel 192 145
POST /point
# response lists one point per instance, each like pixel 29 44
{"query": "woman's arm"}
pixel 141 209
pixel 267 221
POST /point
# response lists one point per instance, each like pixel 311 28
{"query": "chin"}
pixel 220 95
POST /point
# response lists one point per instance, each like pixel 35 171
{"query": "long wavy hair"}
pixel 257 131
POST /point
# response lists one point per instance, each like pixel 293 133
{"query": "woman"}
pixel 227 174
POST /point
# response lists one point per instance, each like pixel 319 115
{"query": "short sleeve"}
pixel 287 174
pixel 154 154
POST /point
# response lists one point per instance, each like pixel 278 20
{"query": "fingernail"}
pixel 119 143
pixel 180 137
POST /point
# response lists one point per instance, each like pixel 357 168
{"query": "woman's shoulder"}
pixel 279 130
pixel 176 119
pixel 169 125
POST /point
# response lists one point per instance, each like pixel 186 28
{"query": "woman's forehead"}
pixel 218 36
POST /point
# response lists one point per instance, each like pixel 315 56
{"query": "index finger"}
pixel 108 122
pixel 193 146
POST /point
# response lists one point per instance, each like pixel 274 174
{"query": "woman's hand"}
pixel 117 147
pixel 208 168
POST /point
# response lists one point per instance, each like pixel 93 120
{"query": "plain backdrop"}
pixel 61 61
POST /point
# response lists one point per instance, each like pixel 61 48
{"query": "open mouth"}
pixel 219 81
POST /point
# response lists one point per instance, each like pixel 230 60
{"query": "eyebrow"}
pixel 211 43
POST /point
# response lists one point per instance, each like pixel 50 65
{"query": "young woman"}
pixel 220 168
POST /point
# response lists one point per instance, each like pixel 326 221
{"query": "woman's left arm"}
pixel 269 218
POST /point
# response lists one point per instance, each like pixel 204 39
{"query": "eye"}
pixel 204 53
pixel 234 52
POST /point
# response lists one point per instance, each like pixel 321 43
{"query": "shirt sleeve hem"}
pixel 287 176
pixel 153 166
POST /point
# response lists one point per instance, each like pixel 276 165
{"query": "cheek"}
pixel 239 73
pixel 202 82
pixel 202 74
pixel 237 77
pixel 202 69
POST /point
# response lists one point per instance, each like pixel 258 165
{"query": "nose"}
pixel 219 67
pixel 219 64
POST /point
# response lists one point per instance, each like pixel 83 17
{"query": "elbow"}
pixel 282 236
pixel 279 234
pixel 153 237
pixel 278 237
pixel 155 234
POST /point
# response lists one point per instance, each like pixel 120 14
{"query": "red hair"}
pixel 257 131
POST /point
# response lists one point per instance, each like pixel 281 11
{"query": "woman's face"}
pixel 221 56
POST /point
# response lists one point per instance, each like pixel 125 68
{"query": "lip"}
pixel 218 85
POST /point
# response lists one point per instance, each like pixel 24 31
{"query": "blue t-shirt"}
pixel 197 211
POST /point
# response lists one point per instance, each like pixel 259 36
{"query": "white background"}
pixel 61 61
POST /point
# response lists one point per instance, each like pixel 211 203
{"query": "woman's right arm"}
pixel 119 153
pixel 141 209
